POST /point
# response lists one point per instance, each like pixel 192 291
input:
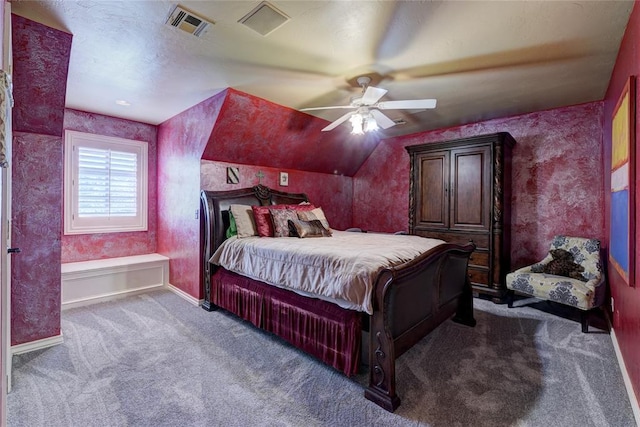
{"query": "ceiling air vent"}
pixel 264 18
pixel 188 22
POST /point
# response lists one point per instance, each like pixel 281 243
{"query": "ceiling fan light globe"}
pixel 356 124
pixel 371 125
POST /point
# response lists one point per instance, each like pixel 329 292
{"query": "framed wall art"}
pixel 284 179
pixel 622 223
pixel 233 175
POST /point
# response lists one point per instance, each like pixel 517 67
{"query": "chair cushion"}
pixel 563 290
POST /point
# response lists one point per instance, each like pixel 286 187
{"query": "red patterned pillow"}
pixel 264 222
pixel 281 219
pixel 302 207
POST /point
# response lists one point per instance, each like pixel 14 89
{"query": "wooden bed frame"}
pixel 410 300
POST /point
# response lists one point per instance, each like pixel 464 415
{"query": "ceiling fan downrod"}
pixel 363 81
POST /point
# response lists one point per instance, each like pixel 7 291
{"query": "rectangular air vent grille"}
pixel 264 18
pixel 188 22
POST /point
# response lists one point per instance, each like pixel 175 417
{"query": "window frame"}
pixel 76 225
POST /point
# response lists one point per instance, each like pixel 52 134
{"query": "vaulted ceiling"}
pixel 479 59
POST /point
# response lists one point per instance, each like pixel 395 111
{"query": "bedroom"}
pixel 347 197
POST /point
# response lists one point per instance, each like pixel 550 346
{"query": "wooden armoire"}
pixel 460 191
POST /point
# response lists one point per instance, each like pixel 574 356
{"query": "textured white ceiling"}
pixel 479 59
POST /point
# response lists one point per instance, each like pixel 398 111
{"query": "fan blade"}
pixel 383 121
pixel 372 95
pixel 326 108
pixel 338 122
pixel 409 104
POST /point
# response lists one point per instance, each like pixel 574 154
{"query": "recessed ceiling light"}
pixel 123 102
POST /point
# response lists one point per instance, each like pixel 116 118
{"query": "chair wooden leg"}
pixel 584 320
pixel 510 296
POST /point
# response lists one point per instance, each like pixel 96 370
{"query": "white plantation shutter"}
pixel 105 184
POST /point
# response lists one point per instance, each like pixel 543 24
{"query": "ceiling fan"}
pixel 367 115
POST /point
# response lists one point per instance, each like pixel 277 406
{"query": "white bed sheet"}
pixel 341 269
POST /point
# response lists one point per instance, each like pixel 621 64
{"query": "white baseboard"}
pixel 87 282
pixel 37 344
pixel 193 300
pixel 635 406
pixel 108 297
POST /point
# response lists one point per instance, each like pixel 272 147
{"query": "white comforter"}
pixel 341 268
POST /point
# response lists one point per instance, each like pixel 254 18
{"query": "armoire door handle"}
pixel 13 250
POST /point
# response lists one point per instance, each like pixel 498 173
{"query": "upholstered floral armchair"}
pixel 586 294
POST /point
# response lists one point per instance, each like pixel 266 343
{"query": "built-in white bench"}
pixel 92 281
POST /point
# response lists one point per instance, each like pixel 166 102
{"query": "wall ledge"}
pixel 88 282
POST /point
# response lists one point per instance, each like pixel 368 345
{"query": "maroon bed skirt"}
pixel 321 329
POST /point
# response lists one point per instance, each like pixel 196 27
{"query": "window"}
pixel 105 184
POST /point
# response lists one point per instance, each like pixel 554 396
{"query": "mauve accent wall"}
pixel 333 193
pixel 40 67
pixel 626 318
pixel 37 219
pixel 557 178
pixel 181 141
pixel 259 132
pixel 84 247
pixel 182 172
pixel 41 59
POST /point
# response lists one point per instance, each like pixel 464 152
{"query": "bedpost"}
pixel 464 314
pixel 206 245
pixel 382 366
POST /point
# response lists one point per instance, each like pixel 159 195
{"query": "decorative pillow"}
pixel 280 219
pixel 562 265
pixel 304 206
pixel 302 229
pixel 233 228
pixel 264 224
pixel 245 224
pixel 316 213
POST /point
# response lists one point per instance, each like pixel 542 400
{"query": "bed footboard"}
pixel 410 301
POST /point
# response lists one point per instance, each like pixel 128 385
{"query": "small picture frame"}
pixel 284 179
pixel 233 175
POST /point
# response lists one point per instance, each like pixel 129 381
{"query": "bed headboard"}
pixel 214 217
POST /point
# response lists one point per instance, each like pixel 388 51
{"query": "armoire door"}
pixel 471 189
pixel 432 199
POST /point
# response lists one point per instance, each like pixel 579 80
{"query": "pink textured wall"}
pixel 37 216
pixel 626 318
pixel 270 134
pixel 333 193
pixel 557 176
pixel 41 58
pixel 110 245
pixel 40 67
pixel 181 141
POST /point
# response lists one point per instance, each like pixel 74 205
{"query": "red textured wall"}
pixel 626 319
pixel 40 67
pixel 557 177
pixel 37 226
pixel 333 193
pixel 85 247
pixel 181 141
pixel 259 132
pixel 41 58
